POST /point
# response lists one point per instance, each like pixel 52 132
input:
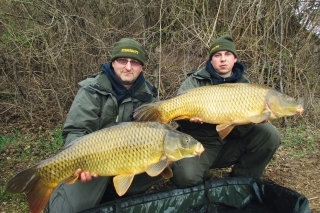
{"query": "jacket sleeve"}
pixel 83 117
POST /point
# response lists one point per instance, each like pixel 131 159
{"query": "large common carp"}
pixel 227 105
pixel 121 151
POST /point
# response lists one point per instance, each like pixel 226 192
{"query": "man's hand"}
pixel 84 176
pixel 196 120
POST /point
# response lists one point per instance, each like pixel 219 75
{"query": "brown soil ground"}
pixel 300 174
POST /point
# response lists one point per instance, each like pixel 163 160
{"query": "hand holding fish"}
pixel 196 120
pixel 84 176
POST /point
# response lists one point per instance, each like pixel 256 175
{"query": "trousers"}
pixel 248 154
pixel 72 198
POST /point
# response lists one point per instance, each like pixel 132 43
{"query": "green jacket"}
pixel 206 133
pixel 95 107
pixel 201 78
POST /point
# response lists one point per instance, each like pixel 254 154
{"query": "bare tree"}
pixel 48 46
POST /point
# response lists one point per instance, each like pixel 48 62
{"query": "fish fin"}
pixel 71 179
pixel 23 181
pixel 39 196
pixel 182 117
pixel 148 112
pixel 156 168
pixel 122 183
pixel 224 129
pixel 167 173
pixel 264 116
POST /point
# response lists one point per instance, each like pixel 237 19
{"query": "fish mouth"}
pixel 300 110
pixel 199 150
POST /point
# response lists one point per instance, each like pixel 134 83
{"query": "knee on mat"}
pixel 185 179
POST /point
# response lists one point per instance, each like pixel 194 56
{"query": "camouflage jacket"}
pixel 206 133
pixel 95 107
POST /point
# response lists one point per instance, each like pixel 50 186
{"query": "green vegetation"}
pixel 26 146
pixel 300 141
pixel 19 151
pixel 6 139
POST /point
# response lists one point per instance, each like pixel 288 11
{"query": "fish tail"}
pixel 29 181
pixel 149 112
pixel 39 196
pixel 23 181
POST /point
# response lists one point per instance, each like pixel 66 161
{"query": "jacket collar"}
pixel 203 74
pixel 102 85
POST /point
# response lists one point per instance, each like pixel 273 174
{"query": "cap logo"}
pixel 215 47
pixel 130 51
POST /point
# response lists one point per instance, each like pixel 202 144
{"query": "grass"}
pixel 17 152
pixel 7 144
pixel 54 144
pixel 300 140
pixel 5 139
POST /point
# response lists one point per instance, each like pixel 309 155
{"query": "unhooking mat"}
pixel 226 195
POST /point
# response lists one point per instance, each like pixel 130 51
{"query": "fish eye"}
pixel 290 98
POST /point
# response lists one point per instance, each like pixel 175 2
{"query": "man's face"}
pixel 127 70
pixel 223 62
